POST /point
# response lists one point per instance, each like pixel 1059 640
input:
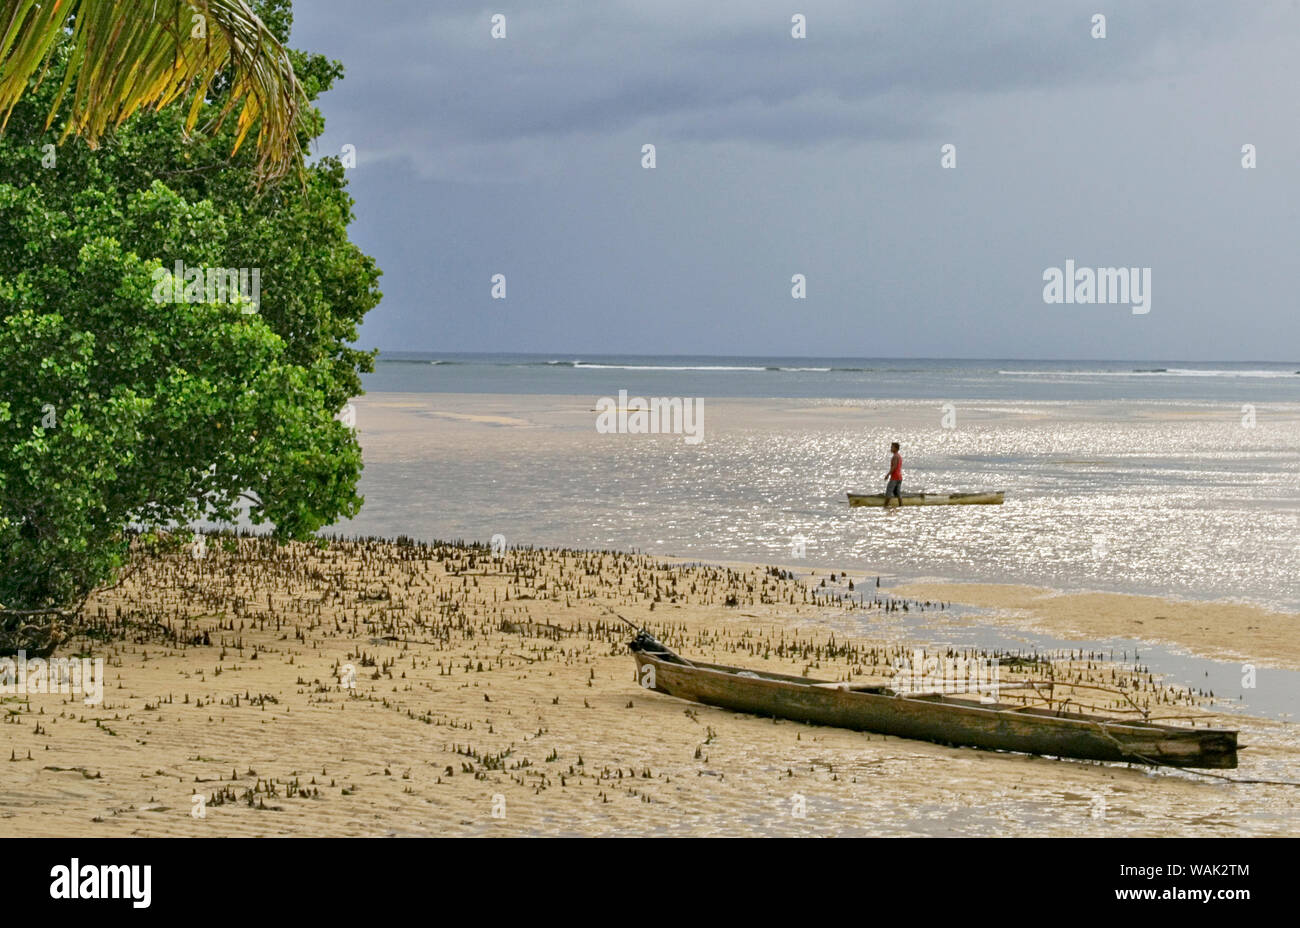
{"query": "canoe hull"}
pixel 930 499
pixel 940 719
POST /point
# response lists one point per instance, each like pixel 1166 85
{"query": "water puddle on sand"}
pixel 1275 695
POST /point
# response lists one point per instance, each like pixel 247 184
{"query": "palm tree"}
pixel 128 54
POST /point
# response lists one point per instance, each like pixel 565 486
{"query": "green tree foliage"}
pixel 117 409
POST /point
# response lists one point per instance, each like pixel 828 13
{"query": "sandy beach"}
pixel 495 696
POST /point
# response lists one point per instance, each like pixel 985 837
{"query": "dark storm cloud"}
pixel 432 75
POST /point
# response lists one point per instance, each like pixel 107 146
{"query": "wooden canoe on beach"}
pixel 983 498
pixel 931 717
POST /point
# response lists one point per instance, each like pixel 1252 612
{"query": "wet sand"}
pixel 495 696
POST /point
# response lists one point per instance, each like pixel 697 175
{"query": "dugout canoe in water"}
pixel 939 718
pixel 981 498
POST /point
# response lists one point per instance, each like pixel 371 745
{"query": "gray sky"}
pixel 820 156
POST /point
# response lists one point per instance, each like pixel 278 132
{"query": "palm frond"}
pixel 129 54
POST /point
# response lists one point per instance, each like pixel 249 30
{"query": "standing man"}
pixel 894 486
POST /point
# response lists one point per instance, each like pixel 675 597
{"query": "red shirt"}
pixel 896 467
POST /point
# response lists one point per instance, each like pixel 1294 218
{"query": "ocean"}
pixel 1173 478
pixel 843 378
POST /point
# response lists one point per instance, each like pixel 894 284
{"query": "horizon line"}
pixel 577 356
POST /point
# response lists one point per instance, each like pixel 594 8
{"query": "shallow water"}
pixel 1163 498
pixel 1263 693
